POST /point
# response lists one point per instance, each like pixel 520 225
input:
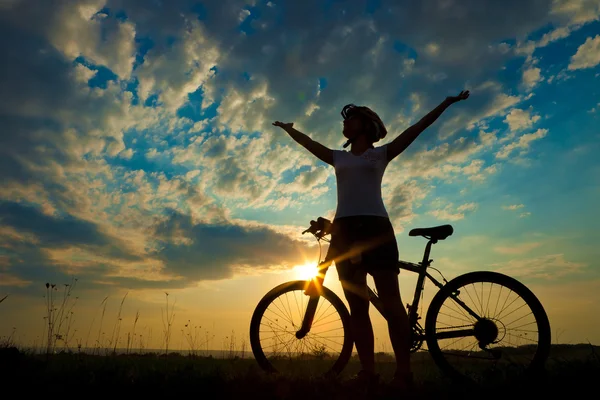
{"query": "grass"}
pixel 58 367
pixel 571 370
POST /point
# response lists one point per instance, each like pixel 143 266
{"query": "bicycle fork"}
pixel 314 291
pixel 309 315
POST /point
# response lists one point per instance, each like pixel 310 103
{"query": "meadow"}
pixel 118 364
pixel 571 370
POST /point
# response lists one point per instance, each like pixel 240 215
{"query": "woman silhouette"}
pixel 362 236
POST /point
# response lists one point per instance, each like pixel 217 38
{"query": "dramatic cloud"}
pixel 217 251
pixel 138 141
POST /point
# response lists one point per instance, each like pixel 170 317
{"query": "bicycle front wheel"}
pixel 484 326
pixel 325 349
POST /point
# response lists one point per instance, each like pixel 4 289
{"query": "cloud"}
pixel 513 207
pixel 517 249
pixel 102 40
pixel 483 174
pixel 587 55
pixel 217 251
pixel 183 248
pixel 531 77
pixel 576 11
pixel 76 28
pixel 30 239
pixel 492 102
pixel 451 213
pixel 401 199
pixel 594 109
pixel 49 230
pixel 83 74
pixel 81 145
pixel 174 72
pixel 521 145
pixel 518 119
pixel 568 16
pixel 243 15
pixel 549 267
pixel 309 181
pixel 11 280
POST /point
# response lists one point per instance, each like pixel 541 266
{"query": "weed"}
pixel 114 340
pixel 167 320
pixel 132 337
pixel 9 341
pixel 56 317
pixel 98 343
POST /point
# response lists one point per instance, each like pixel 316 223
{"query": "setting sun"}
pixel 306 271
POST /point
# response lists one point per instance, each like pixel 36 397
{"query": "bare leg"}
pixel 388 291
pixel 362 329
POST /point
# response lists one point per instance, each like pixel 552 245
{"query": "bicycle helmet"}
pixel 378 130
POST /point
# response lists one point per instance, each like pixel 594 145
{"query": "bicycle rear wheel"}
pixel 325 349
pixel 508 337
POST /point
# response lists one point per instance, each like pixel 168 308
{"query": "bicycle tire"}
pixel 442 359
pixel 337 364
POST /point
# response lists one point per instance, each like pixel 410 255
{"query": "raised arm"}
pixel 400 144
pixel 323 153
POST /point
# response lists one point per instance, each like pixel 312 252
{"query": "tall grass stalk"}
pixel 243 348
pixel 92 325
pixel 66 312
pixel 232 345
pixel 131 342
pixel 9 341
pixel 117 327
pixel 57 316
pixel 97 347
pixel 167 320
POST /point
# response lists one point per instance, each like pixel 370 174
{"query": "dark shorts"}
pixel 362 244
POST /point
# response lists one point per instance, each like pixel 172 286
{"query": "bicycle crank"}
pixel 417 337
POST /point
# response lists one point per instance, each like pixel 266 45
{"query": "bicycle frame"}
pixel 316 283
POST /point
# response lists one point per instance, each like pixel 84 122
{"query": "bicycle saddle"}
pixel 436 232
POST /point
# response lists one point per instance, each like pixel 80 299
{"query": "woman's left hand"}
pixel 462 96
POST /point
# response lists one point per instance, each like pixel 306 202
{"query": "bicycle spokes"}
pixel 494 304
pixel 288 346
pixel 487 326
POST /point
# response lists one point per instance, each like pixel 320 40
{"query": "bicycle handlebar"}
pixel 320 227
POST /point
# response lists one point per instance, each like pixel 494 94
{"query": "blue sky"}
pixel 137 151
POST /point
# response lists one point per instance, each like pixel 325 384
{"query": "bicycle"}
pixel 314 336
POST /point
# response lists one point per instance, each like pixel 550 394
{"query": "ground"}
pixel 571 371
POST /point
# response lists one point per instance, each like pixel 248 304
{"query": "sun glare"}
pixel 306 271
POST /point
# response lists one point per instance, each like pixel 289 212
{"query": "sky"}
pixel 138 155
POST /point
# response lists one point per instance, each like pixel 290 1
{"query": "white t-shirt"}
pixel 359 182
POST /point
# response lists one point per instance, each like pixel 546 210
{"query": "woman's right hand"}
pixel 283 125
